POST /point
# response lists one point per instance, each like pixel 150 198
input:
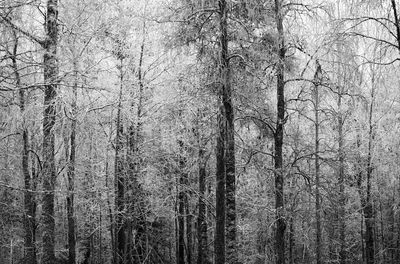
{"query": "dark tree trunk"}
pixel 342 199
pixel 29 198
pixel 279 181
pixel 219 241
pixel 222 184
pixel 49 119
pixel 187 194
pixel 119 179
pixel 181 221
pixel 318 245
pixel 135 141
pixel 188 230
pixel 71 173
pixel 202 257
pixel 182 204
pixel 291 242
pixel 368 209
pixel 228 119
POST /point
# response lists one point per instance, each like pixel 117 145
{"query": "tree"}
pixel 278 137
pixel 318 241
pixel 50 70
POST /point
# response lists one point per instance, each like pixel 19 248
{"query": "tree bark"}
pixel 202 257
pixel 49 119
pixel 188 225
pixel 181 220
pixel 119 179
pixel 71 172
pixel 278 137
pixel 317 79
pixel 135 141
pixel 368 209
pixel 342 199
pixel 229 155
pixel 29 198
pixel 219 241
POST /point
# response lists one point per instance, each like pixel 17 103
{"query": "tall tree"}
pixel 341 181
pixel 49 120
pixel 226 181
pixel 278 137
pixel 29 198
pixel 71 170
pixel 119 174
pixel 367 208
pixel 317 79
pixel 202 238
pixel 228 115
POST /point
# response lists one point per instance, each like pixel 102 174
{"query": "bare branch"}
pixel 17 28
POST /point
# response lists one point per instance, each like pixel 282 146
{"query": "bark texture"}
pixel 342 198
pixel 219 241
pixel 278 137
pixel 71 173
pixel 49 119
pixel 119 180
pixel 317 79
pixel 202 238
pixel 29 198
pixel 229 150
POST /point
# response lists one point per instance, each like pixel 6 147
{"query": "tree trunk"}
pixel 202 257
pixel 188 231
pixel 49 119
pixel 219 241
pixel 29 198
pixel 181 221
pixel 188 216
pixel 318 245
pixel 279 181
pixel 368 209
pixel 119 179
pixel 228 119
pixel 71 173
pixel 29 206
pixel 135 140
pixel 342 201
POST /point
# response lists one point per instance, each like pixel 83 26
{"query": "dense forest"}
pixel 199 131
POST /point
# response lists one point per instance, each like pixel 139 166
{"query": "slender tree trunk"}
pixel 342 201
pixel 49 119
pixel 398 223
pixel 71 173
pixel 219 241
pixel 188 230
pixel 136 163
pixel 120 178
pixel 188 247
pixel 318 250
pixel 362 238
pixel 222 145
pixel 279 181
pixel 202 257
pixel 365 195
pixel 368 209
pixel 228 116
pixel 110 211
pixel 181 220
pixel 29 198
pixel 291 241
